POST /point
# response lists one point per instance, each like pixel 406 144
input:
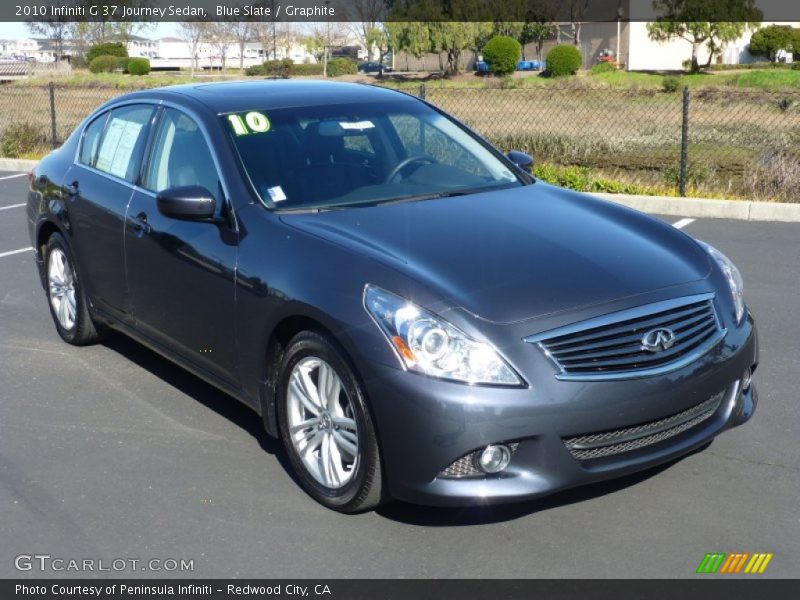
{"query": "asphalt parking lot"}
pixel 112 452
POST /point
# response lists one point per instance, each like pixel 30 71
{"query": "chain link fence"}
pixel 713 142
pixel 710 142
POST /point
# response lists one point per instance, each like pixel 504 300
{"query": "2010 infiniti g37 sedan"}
pixel 410 312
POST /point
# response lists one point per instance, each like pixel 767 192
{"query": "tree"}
pixel 243 32
pixel 771 40
pixel 701 22
pixel 314 44
pixel 55 29
pixel 221 34
pixel 536 32
pixel 796 44
pixel 267 31
pixel 577 10
pixel 452 38
pixel 378 38
pixel 102 26
pixel 412 38
pixel 194 32
pixel 369 13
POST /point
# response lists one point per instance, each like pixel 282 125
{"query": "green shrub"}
pixel 796 66
pixel 671 84
pixel 104 64
pixel 564 59
pixel 308 69
pixel 502 53
pixel 106 49
pixel 583 179
pixel 282 68
pixel 603 67
pixel 342 66
pixel 122 63
pixel 271 68
pixel 138 66
pixel 20 139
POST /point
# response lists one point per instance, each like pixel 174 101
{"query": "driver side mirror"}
pixel 522 160
pixel 190 202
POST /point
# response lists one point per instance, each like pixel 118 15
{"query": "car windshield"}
pixel 335 156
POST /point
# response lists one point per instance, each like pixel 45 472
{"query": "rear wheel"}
pixel 67 301
pixel 326 427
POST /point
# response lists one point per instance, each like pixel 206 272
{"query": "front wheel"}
pixel 326 427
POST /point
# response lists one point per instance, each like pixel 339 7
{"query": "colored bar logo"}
pixel 736 562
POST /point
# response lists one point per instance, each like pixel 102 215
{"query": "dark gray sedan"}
pixel 411 312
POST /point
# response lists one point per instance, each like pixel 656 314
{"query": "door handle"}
pixel 140 224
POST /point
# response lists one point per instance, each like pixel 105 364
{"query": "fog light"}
pixel 494 458
pixel 747 380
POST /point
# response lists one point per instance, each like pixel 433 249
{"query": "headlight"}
pixel 733 277
pixel 430 345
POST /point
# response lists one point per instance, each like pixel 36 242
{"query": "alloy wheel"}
pixel 322 424
pixel 61 283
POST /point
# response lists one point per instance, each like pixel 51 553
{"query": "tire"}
pixel 331 444
pixel 65 295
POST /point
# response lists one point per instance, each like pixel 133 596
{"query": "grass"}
pixel 772 80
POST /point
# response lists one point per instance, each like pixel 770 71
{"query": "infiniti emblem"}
pixel 658 340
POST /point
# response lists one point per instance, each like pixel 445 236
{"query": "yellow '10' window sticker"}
pixel 251 122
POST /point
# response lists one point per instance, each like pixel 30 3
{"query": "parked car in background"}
pixel 373 67
pixel 524 65
pixel 411 313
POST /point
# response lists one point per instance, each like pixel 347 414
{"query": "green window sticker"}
pixel 251 122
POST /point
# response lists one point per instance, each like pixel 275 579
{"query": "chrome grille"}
pixel 612 346
pixel 465 467
pixel 609 443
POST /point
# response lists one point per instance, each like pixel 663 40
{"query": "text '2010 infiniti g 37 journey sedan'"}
pixel 412 314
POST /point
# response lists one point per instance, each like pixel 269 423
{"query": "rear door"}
pixel 98 187
pixel 181 272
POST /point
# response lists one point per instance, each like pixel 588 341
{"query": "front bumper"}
pixel 426 424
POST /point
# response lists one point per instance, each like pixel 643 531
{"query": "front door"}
pixel 181 272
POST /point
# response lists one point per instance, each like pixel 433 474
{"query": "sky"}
pixel 17 31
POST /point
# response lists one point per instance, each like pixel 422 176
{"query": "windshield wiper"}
pixel 398 200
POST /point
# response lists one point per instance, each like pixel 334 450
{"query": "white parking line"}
pixel 12 176
pixel 12 206
pixel 682 223
pixel 20 251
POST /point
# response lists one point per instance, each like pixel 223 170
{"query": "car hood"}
pixel 518 253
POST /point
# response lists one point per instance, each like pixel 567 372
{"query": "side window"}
pixel 91 140
pixel 123 140
pixel 180 156
pixel 419 137
pixel 359 143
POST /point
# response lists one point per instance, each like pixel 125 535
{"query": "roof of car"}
pixel 234 96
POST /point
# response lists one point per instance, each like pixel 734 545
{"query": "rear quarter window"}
pixel 91 140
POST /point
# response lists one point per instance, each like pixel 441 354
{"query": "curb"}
pixel 17 164
pixel 743 210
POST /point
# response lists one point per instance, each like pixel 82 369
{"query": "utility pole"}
pixel 326 42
